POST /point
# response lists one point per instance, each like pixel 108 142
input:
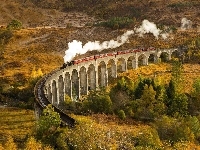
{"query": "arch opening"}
pixel 61 88
pixel 49 94
pixel 111 71
pixel 83 81
pixel 102 74
pixel 175 54
pixel 152 58
pixel 75 85
pixel 67 84
pixel 91 77
pixel 164 57
pixel 121 65
pixel 142 60
pixel 54 93
pixel 131 63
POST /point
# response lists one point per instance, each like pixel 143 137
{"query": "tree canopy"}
pixel 48 123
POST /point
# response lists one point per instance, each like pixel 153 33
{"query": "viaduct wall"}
pixel 76 80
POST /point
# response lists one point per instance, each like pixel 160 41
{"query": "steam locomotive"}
pixel 67 64
pixel 94 57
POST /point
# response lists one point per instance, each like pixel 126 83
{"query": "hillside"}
pixel 38 47
pixel 34 13
pixel 15 122
pixel 49 25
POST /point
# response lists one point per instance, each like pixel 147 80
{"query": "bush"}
pixel 148 139
pixel 5 36
pixel 61 141
pixel 14 25
pixel 181 4
pixel 121 114
pixel 99 102
pixel 48 125
pixel 68 5
pixel 179 106
pixel 176 130
pixel 89 134
pixel 117 23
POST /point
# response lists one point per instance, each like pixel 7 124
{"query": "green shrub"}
pixel 47 126
pixel 148 139
pixel 117 23
pixel 182 4
pixel 14 25
pixel 69 5
pixel 61 141
pixel 99 102
pixel 176 130
pixel 121 114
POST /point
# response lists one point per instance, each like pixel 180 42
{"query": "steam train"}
pixel 94 57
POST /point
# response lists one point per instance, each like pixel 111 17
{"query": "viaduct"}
pixel 76 80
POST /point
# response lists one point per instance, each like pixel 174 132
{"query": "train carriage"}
pixel 97 56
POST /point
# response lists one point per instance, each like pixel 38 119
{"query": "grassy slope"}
pixel 33 48
pixel 16 122
pixel 162 76
pixel 44 48
pixel 50 12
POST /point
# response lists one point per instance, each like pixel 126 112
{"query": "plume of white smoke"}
pixel 186 24
pixel 150 27
pixel 75 47
pixel 165 35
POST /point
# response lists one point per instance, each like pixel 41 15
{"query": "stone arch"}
pixel 164 57
pixel 91 77
pixel 111 70
pixel 61 88
pixel 67 84
pixel 142 60
pixel 75 85
pixel 175 54
pixel 49 94
pixel 152 58
pixel 54 93
pixel 121 65
pixel 83 81
pixel 102 74
pixel 131 63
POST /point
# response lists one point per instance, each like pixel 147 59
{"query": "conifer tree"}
pixel 177 78
pixel 147 107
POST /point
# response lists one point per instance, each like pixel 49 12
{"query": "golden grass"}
pixel 160 73
pixel 16 122
pixel 118 132
pixel 43 48
pixel 25 51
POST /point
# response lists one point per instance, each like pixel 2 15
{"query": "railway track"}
pixel 42 102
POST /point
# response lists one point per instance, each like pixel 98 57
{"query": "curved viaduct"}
pixel 76 80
